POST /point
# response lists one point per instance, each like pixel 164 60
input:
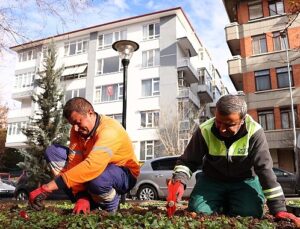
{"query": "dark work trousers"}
pixel 104 191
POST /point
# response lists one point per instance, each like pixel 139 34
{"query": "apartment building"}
pixel 171 77
pixel 265 48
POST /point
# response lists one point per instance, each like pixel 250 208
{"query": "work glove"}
pixel 175 193
pixel 37 197
pixel 288 216
pixel 177 187
pixel 82 205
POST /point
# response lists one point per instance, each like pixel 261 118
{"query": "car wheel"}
pixel 147 192
pixel 22 195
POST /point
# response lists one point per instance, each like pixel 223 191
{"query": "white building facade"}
pixel 170 71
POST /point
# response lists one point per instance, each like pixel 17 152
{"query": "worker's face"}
pixel 228 125
pixel 83 124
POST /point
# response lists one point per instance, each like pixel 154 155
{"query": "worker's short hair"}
pixel 229 104
pixel 78 104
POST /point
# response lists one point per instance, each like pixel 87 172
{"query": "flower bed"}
pixel 131 215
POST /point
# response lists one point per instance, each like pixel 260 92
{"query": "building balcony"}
pixel 20 95
pixel 233 38
pixel 281 138
pixel 205 93
pixel 235 71
pixel 186 46
pixel 187 93
pixel 15 141
pixel 189 72
pixel 19 113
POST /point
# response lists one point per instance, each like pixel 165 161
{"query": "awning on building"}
pixel 73 70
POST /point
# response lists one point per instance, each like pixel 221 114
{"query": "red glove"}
pixel 82 204
pixel 175 193
pixel 179 191
pixel 288 216
pixel 37 196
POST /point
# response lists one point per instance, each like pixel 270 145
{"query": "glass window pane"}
pixel 108 39
pixel 263 45
pixel 72 48
pixel 111 64
pixel 151 30
pixel 255 11
pixel 144 59
pixel 270 121
pixel 157 29
pixel 150 58
pixel 157 57
pixel 284 120
pixel 143 119
pixel 100 41
pixel 146 88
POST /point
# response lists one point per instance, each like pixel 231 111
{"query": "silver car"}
pixel 152 182
pixel 6 189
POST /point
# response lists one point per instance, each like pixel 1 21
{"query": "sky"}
pixel 208 18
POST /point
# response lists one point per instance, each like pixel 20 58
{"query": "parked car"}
pixel 6 189
pixel 24 187
pixel 287 181
pixel 151 183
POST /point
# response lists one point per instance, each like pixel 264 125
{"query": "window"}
pixel 108 93
pixel 150 58
pixel 279 43
pixel 106 40
pixel 266 119
pixel 283 77
pixel 149 119
pixel 109 65
pixel 76 47
pixel 164 164
pixel 259 44
pixel 276 7
pixel 262 80
pixel 28 55
pixel 151 31
pixel 118 117
pixel 149 149
pixel 15 128
pixel 286 118
pixel 255 10
pixel 24 80
pixel 150 87
pixel 74 93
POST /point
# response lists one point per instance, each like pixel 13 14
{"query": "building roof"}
pixel 109 25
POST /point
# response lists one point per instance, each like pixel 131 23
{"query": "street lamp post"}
pixel 125 49
pixel 283 35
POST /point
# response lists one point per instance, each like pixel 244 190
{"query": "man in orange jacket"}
pixel 99 165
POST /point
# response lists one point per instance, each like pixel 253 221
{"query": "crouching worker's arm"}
pixel 37 196
pixel 288 216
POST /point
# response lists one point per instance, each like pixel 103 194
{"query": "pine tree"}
pixel 47 125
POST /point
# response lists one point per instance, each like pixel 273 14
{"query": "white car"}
pixel 6 189
pixel 152 182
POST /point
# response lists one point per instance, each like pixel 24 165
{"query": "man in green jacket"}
pixel 237 166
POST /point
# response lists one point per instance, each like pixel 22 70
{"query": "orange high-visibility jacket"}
pixel 88 158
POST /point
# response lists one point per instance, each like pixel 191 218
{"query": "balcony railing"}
pixel 187 93
pixel 190 73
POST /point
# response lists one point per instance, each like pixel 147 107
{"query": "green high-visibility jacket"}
pixel 242 156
